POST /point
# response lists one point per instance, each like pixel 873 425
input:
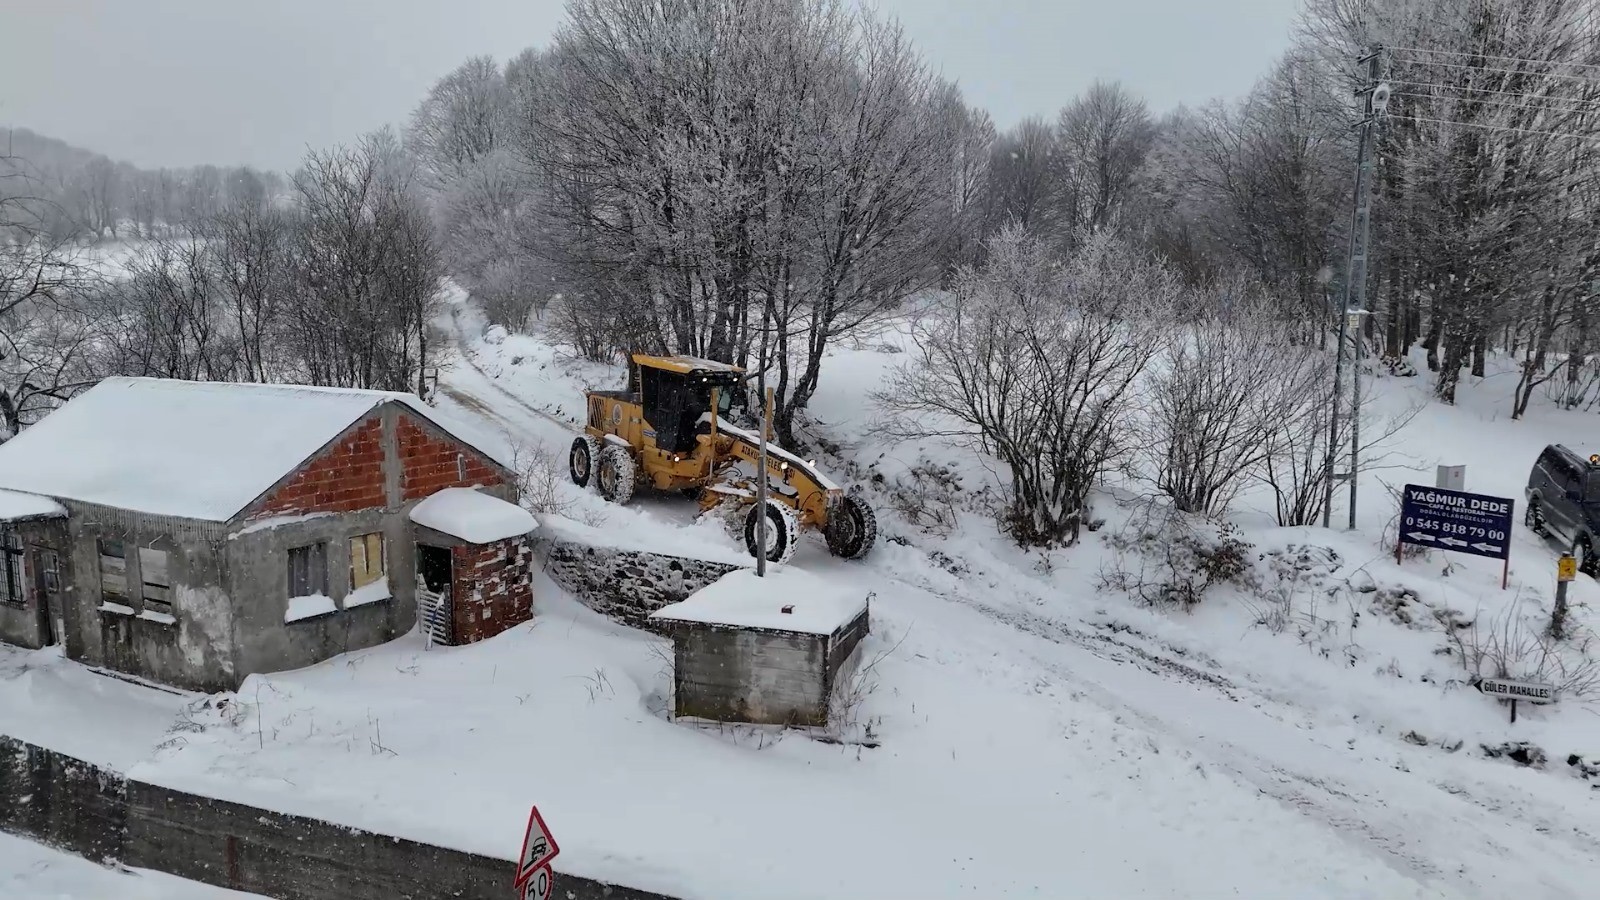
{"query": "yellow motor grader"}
pixel 670 430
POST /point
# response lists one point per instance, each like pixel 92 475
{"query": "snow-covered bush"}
pixel 542 481
pixel 1512 646
pixel 1169 558
pixel 1035 360
pixel 1220 391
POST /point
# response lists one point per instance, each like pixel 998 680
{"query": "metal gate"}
pixel 433 615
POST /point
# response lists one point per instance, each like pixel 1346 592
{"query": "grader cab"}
pixel 670 430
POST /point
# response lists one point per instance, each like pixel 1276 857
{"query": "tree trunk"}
pixel 1431 341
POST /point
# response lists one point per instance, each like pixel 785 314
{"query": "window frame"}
pixel 13 573
pixel 316 555
pixel 107 595
pixel 147 562
pixel 364 541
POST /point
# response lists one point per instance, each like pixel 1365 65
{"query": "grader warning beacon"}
pixel 670 430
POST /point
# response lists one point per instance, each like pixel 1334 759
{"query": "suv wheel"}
pixel 1534 519
pixel 1584 551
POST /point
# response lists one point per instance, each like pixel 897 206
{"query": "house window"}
pixel 157 584
pixel 308 570
pixel 10 568
pixel 113 571
pixel 366 559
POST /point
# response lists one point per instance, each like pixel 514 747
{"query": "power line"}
pixel 1532 107
pixel 1495 127
pixel 1463 87
pixel 1519 59
pixel 1585 79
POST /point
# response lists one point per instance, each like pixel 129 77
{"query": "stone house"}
pixel 195 533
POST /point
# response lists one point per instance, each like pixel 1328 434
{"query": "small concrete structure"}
pixel 208 531
pixel 765 651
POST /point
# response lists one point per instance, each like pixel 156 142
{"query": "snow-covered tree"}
pixel 1036 361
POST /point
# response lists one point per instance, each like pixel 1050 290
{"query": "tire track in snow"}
pixel 1360 814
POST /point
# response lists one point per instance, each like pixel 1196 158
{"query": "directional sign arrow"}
pixel 1487 548
pixel 1419 536
pixel 1452 542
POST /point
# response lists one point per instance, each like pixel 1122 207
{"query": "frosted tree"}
pixel 368 268
pixel 1036 361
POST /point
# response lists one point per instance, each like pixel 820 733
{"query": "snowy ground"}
pixel 1035 735
pixel 30 871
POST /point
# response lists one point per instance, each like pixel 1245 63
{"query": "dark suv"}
pixel 1564 503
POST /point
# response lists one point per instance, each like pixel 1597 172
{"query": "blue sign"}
pixel 1475 524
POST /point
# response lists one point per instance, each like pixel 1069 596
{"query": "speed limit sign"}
pixel 539 885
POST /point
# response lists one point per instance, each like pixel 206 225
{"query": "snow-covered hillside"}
pixel 1021 730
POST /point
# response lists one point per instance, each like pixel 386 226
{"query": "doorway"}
pixel 433 593
pixel 46 586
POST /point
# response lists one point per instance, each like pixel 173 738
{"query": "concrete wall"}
pixel 25 625
pixel 627 585
pixel 99 814
pixel 258 572
pixel 195 652
pixel 744 675
pixel 765 677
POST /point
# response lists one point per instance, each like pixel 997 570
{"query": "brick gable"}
pixel 344 477
pixel 428 462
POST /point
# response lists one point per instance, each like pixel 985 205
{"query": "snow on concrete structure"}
pixel 209 531
pixel 762 650
pixel 473 516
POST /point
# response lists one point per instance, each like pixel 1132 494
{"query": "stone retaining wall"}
pixel 627 585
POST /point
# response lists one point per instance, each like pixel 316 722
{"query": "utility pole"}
pixel 1375 99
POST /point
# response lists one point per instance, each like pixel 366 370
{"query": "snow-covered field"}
pixel 30 871
pixel 1034 735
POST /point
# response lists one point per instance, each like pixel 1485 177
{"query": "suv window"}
pixel 1560 470
pixel 1591 488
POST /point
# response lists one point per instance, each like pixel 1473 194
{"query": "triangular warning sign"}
pixel 538 848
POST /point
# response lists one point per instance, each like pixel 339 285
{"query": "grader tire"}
pixel 581 460
pixel 852 529
pixel 616 475
pixel 783 531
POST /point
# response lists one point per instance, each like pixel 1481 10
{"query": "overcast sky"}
pixel 180 82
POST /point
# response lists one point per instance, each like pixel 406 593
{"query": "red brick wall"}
pixel 492 588
pixel 428 462
pixel 347 476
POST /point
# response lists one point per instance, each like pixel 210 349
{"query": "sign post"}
pixel 1474 524
pixel 533 866
pixel 1566 571
pixel 1506 689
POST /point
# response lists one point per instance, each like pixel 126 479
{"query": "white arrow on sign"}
pixel 538 848
pixel 1452 542
pixel 1487 548
pixel 539 886
pixel 1419 536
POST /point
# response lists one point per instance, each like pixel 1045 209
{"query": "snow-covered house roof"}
pixel 742 599
pixel 198 450
pixel 16 506
pixel 472 516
